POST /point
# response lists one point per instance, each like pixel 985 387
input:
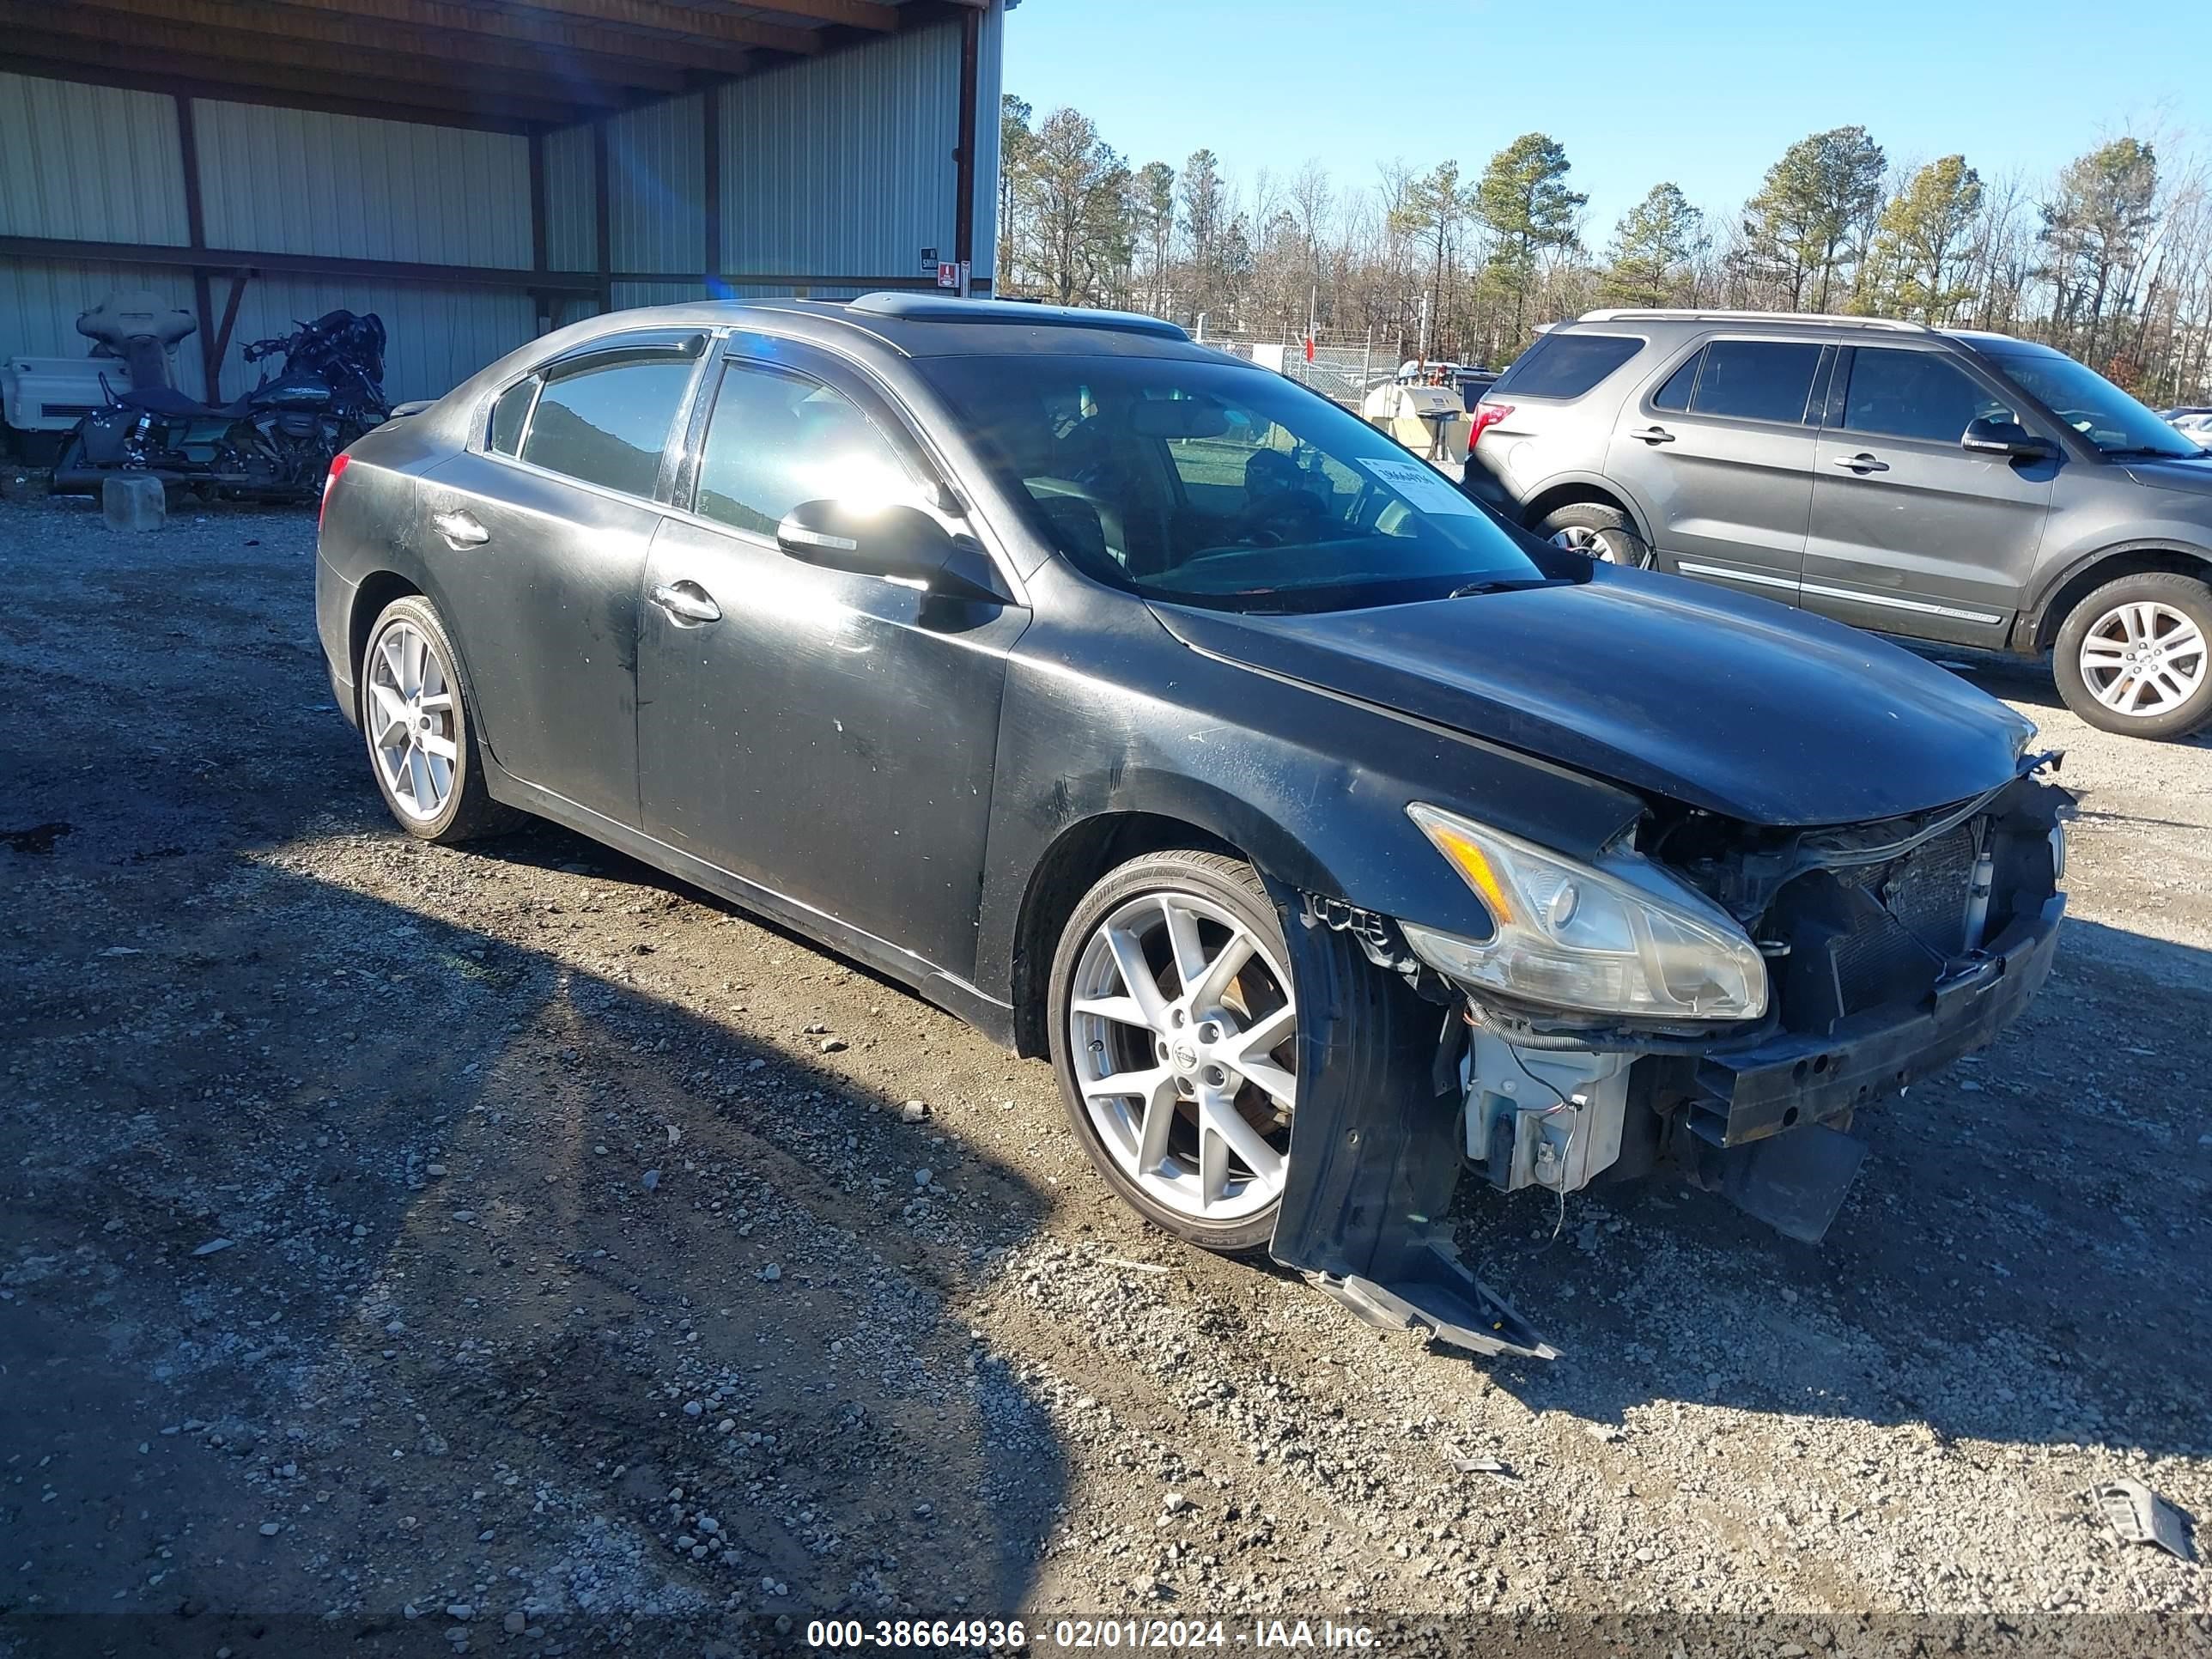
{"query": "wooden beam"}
pixel 452 95
pixel 73 66
pixel 451 78
pixel 849 14
pixel 179 258
pixel 686 22
pixel 238 281
pixel 261 23
pixel 725 52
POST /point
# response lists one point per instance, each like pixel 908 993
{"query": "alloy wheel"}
pixel 409 714
pixel 1182 1031
pixel 2144 658
pixel 1590 542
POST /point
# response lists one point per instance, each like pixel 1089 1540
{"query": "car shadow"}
pixel 355 1262
pixel 2032 1227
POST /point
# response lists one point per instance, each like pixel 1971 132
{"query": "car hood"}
pixel 1734 704
pixel 2192 474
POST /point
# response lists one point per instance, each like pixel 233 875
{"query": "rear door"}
pixel 543 525
pixel 830 736
pixel 1912 533
pixel 1718 454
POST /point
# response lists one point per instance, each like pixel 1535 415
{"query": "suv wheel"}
pixel 1174 1034
pixel 1596 531
pixel 2135 656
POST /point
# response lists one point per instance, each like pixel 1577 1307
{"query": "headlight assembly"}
pixel 1620 937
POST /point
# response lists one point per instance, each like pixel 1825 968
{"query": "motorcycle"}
pixel 275 443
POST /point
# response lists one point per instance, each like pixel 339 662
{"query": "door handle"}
pixel 1653 434
pixel 1861 463
pixel 687 602
pixel 459 527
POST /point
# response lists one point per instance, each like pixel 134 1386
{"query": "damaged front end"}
pixel 1714 998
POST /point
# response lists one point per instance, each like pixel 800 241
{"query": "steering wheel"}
pixel 1286 515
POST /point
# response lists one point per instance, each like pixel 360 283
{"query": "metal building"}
pixel 477 174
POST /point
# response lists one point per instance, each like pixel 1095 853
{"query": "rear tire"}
pixel 421 729
pixel 1206 1034
pixel 1597 531
pixel 2135 656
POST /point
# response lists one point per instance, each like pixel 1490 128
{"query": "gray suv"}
pixel 1944 485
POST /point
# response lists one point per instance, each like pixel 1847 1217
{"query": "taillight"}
pixel 338 465
pixel 1485 416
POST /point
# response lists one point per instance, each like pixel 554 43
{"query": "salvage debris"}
pixel 2140 1516
pixel 1502 1472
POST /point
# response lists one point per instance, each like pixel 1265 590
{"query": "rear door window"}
pixel 1567 365
pixel 1675 394
pixel 510 413
pixel 609 423
pixel 1916 394
pixel 1757 380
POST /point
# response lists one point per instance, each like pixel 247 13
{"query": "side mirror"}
pixel 2007 438
pixel 898 543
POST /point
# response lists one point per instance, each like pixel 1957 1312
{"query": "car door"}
pixel 1910 533
pixel 544 524
pixel 829 735
pixel 1718 453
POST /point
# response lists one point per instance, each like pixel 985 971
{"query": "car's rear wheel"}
pixel 1174 1025
pixel 1596 531
pixel 2135 656
pixel 422 742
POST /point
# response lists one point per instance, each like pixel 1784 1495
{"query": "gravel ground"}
pixel 511 1249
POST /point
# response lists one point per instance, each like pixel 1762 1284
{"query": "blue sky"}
pixel 1704 92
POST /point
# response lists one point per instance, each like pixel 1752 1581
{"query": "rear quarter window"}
pixel 1567 365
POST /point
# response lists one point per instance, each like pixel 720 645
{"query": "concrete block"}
pixel 133 503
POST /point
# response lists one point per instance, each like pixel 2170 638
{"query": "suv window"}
pixel 1567 365
pixel 1675 394
pixel 608 423
pixel 1758 380
pixel 1915 394
pixel 777 439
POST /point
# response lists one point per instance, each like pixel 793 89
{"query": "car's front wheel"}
pixel 422 742
pixel 2135 656
pixel 1596 531
pixel 1174 1025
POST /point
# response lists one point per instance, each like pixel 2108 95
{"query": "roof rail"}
pixel 1616 315
pixel 908 307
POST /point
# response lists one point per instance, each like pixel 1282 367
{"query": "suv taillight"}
pixel 1485 416
pixel 338 465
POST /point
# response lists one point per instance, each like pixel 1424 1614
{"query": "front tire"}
pixel 2135 656
pixel 1173 1024
pixel 422 738
pixel 1604 534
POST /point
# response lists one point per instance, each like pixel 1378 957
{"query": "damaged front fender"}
pixel 1374 1149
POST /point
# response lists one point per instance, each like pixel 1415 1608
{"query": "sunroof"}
pixel 940 308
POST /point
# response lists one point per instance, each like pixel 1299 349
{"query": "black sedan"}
pixel 1155 714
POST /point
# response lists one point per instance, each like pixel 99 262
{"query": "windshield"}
pixel 2091 405
pixel 1207 483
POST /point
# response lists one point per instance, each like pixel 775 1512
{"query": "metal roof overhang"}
pixel 509 64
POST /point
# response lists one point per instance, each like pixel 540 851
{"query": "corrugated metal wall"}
pixel 296 181
pixel 572 199
pixel 435 337
pixel 95 164
pixel 656 187
pixel 41 299
pixel 835 167
pixel 842 166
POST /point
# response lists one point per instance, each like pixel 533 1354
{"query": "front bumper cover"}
pixel 1785 1079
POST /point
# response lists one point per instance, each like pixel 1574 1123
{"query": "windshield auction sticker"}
pixel 1424 488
